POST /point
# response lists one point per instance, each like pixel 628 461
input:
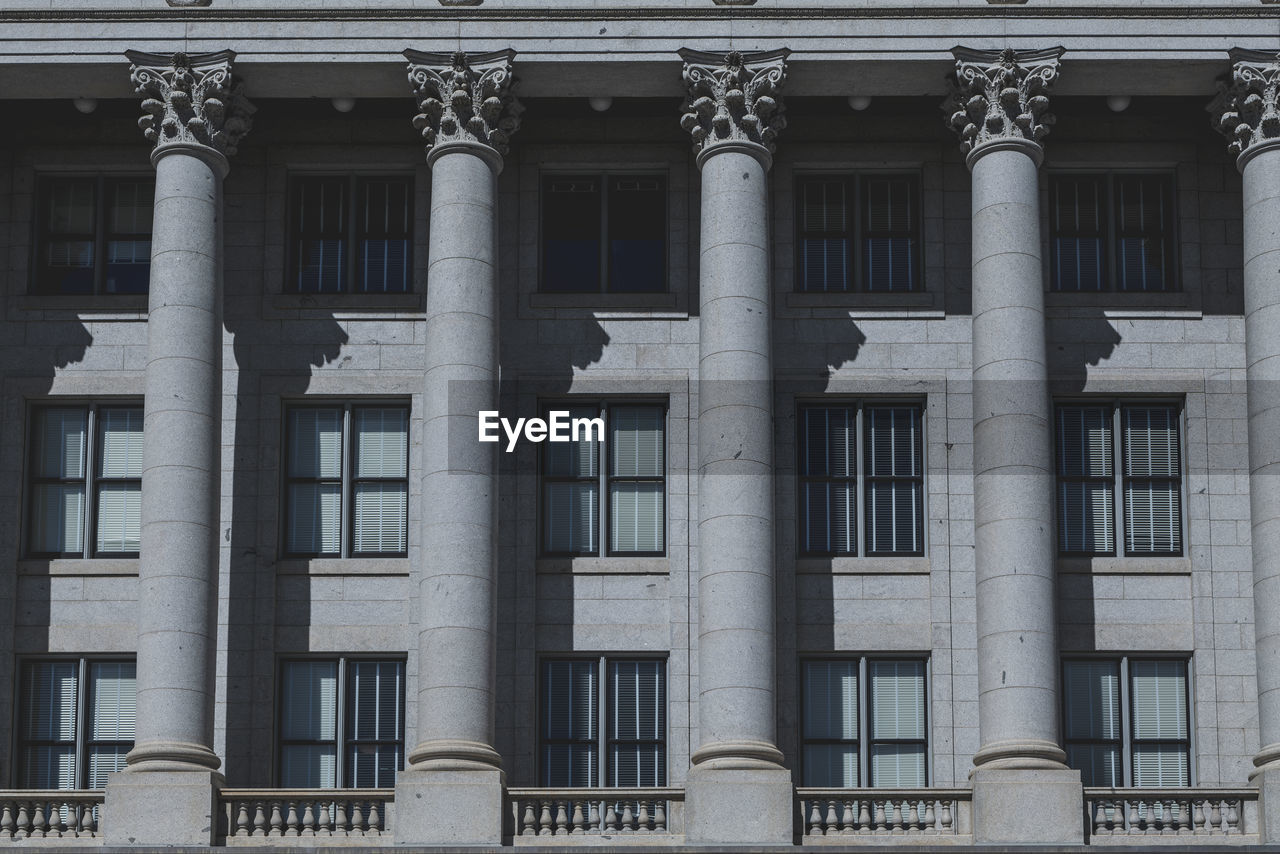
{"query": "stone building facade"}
pixel 935 502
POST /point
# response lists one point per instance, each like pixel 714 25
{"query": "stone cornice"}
pixel 733 98
pixel 1001 96
pixel 190 101
pixel 1247 108
pixel 464 98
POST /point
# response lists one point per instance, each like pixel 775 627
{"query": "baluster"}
pixel 375 820
pixel 660 816
pixel 259 819
pixel 575 824
pixel 24 821
pixel 831 825
pixel 562 819
pixel 527 820
pixel 946 816
pixel 594 811
pixel 610 817
pixel 544 819
pixel 291 821
pixel 241 826
pixel 324 826
pixel 308 820
pixel 38 819
pixel 815 819
pixel 929 817
pixel 912 815
pixel 1099 818
pixel 628 817
pixel 91 819
pixel 1197 816
pixel 896 809
pixel 1184 816
pixel 340 818
pixel 846 819
pixel 1233 816
pixel 277 823
pixel 881 824
pixel 643 818
pixel 1215 815
pixel 864 816
pixel 6 820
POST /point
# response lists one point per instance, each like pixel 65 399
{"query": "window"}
pixel 891 713
pixel 1147 495
pixel 359 741
pixel 627 467
pixel 351 234
pixel 1125 721
pixel 78 485
pixel 604 233
pixel 858 233
pixel 77 722
pixel 1113 232
pixel 347 456
pixel 604 722
pixel 889 440
pixel 94 236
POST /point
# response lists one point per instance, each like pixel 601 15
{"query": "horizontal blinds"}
pixel 1153 472
pixel 381 523
pixel 825 235
pixel 636 434
pixel 1161 765
pixel 571 517
pixel 113 700
pixel 60 440
pixel 49 766
pixel 573 459
pixel 636 516
pixel 1159 699
pixel 71 206
pixel 320 215
pixel 889 242
pixel 104 760
pixel 830 699
pixel 895 491
pixel 120 441
pixel 375 691
pixel 315 443
pixel 828 507
pixel 897 699
pixel 1143 207
pixel 382 442
pixel 119 507
pixel 1092 691
pixel 1098 764
pixel 381 451
pixel 899 766
pixel 636 438
pixel 130 207
pixel 828 441
pixel 637 723
pixel 315 522
pixel 57 517
pixel 309 705
pixel 315 453
pixel 48 701
pixel 828 519
pixel 831 766
pixel 894 442
pixel 309 766
pixel 1079 220
pixel 570 714
pixel 385 225
pixel 373 766
pixel 1086 498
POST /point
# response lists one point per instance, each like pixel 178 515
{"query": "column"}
pixel 195 116
pixel 1023 791
pixel 737 792
pixel 1247 112
pixel 452 790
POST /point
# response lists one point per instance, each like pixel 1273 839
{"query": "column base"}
pixel 1267 779
pixel 1027 806
pixel 449 806
pixel 168 808
pixel 729 804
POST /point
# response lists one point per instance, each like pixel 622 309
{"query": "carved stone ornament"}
pixel 465 98
pixel 191 100
pixel 734 97
pixel 1001 95
pixel 1245 110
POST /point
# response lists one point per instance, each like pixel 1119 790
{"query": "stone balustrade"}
pixel 300 816
pixel 843 815
pixel 613 813
pixel 50 814
pixel 1179 816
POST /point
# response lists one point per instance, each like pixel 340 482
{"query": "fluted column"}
pixel 1247 112
pixel 452 791
pixel 195 117
pixel 1023 791
pixel 738 791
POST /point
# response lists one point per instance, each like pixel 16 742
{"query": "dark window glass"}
pixel 95 236
pixel 858 233
pixel 351 234
pixel 604 233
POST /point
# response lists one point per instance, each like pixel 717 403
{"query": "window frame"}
pixel 606 265
pixel 342 714
pixel 347 480
pixel 1128 725
pixel 866 741
pixel 856 216
pixel 1111 230
pixel 100 235
pixel 604 479
pixel 84 707
pixel 91 480
pixel 1119 478
pixel 602 741
pixel 861 478
pixel 351 230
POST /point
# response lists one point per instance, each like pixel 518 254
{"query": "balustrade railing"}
pixel 617 813
pixel 50 814
pixel 1178 815
pixel 843 815
pixel 300 816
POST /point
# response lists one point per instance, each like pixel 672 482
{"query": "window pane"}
pixel 822 206
pixel 382 442
pixel 315 443
pixel 894 442
pixel 824 239
pixel 49 767
pixel 129 214
pixel 828 444
pixel 1151 442
pixel 1078 223
pixel 637 699
pixel 57 518
pixel 1086 517
pixel 894 523
pixel 632 764
pixel 897 699
pixel 833 766
pixel 1159 699
pixel 637 234
pixel 636 434
pixel 570 765
pixel 59 437
pixel 314 518
pixel 1157 765
pixel 48 701
pixel 569 691
pixel 1092 691
pixel 1084 441
pixel 571 518
pixel 1098 764
pixel 319 216
pixel 373 766
pixel 827 517
pixel 1086 508
pixel 385 228
pixel 105 759
pixel 119 519
pixel 636 517
pixel 309 701
pixel 1143 205
pixel 889 245
pixel 574 459
pixel 376 694
pixel 1153 504
pixel 71 206
pixel 571 211
pixel 308 766
pixel 120 438
pixel 381 523
pixel 1153 517
pixel 113 700
pixel 898 765
pixel 831 699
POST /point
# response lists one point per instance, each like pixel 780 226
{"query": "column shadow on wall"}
pixel 267 612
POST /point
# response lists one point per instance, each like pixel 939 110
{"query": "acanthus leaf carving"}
pixel 1247 108
pixel 191 100
pixel 1001 95
pixel 465 98
pixel 734 97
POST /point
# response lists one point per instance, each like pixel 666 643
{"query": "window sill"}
pixel 343 566
pixel 132 304
pixel 665 301
pixel 863 565
pixel 1146 303
pixel 604 565
pixel 78 566
pixel 348 302
pixel 1124 565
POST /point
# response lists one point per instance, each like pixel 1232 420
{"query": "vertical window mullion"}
pixel 860 488
pixel 81 732
pixel 1126 722
pixel 340 734
pixel 603 708
pixel 345 491
pixel 606 253
pixel 99 237
pixel 351 233
pixel 864 720
pixel 603 502
pixel 857 278
pixel 1118 442
pixel 89 536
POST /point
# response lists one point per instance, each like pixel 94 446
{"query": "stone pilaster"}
pixel 195 116
pixel 1023 791
pixel 452 791
pixel 1247 112
pixel 737 792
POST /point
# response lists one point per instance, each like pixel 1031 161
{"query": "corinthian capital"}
pixel 1002 96
pixel 464 98
pixel 190 100
pixel 733 98
pixel 1245 110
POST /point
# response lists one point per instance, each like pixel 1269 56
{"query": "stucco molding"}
pixel 190 100
pixel 734 98
pixel 1247 108
pixel 1001 96
pixel 465 98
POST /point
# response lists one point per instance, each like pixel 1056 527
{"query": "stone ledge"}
pixel 78 566
pixel 343 566
pixel 665 301
pixel 1123 565
pixel 604 565
pixel 130 306
pixel 863 566
pixel 857 300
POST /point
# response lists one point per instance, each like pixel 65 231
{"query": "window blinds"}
pixel 113 702
pixel 824 244
pixel 58 509
pixel 309 720
pixel 119 508
pixel 1079 220
pixel 831 715
pixel 129 216
pixel 637 723
pixel 636 506
pixel 1152 489
pixel 889 242
pixel 375 692
pixel 828 502
pixel 1086 503
pixel 385 230
pixel 895 485
pixel 571 492
pixel 1159 690
pixel 320 209
pixel 382 486
pixel 1143 208
pixel 1092 720
pixel 49 699
pixel 898 715
pixel 569 718
pixel 315 456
